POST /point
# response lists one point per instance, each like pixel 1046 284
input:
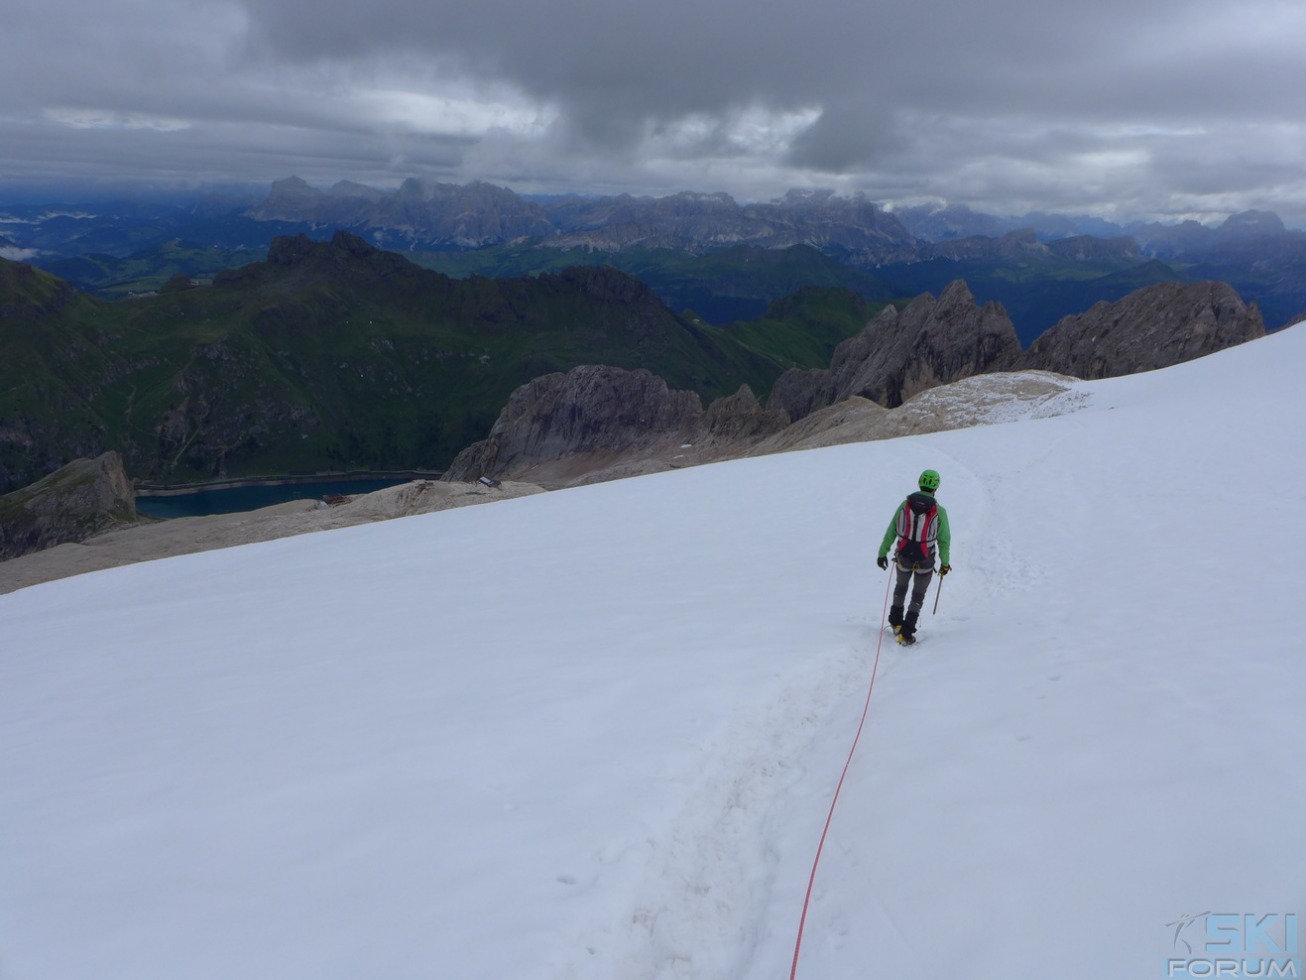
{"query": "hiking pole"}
pixel 937 593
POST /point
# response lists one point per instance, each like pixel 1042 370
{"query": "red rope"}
pixel 811 881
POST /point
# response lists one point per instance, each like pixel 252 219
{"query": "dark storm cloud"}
pixel 1175 107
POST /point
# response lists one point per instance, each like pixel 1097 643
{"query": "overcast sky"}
pixel 1119 108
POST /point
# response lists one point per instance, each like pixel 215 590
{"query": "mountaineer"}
pixel 920 527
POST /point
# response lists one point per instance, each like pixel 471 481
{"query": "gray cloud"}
pixel 1171 108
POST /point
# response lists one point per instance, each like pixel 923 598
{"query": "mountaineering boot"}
pixel 895 619
pixel 907 634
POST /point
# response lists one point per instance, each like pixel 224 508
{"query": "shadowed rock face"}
pixel 601 412
pixel 740 417
pixel 899 354
pixel 1152 328
pixel 588 409
pixel 81 499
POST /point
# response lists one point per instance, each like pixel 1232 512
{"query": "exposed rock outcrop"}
pixel 589 409
pixel 81 499
pixel 901 353
pixel 595 415
pixel 740 417
pixel 1154 327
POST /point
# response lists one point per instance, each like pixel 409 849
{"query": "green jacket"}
pixel 943 542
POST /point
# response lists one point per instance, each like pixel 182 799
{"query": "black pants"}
pixel 918 575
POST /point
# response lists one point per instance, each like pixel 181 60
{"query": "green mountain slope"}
pixel 334 356
pixel 722 286
pixel 803 330
pixel 149 270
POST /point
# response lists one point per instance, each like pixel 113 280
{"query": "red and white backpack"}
pixel 918 529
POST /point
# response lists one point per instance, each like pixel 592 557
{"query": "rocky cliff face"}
pixel 1152 328
pixel 589 409
pixel 603 413
pixel 934 342
pixel 931 342
pixel 739 418
pixel 81 499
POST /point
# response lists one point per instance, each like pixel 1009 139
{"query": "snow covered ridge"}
pixel 995 399
pixel 985 399
pixel 593 734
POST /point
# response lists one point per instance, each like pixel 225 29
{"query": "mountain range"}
pixel 696 251
pixel 330 357
pixel 200 340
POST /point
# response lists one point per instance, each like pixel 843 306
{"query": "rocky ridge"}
pixel 595 414
pixel 739 426
pixel 901 353
pixel 597 423
pixel 1151 328
pixel 71 504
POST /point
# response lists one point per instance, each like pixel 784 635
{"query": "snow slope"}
pixel 594 733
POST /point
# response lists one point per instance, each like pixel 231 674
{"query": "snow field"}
pixel 594 733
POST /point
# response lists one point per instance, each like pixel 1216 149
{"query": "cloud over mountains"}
pixel 1120 109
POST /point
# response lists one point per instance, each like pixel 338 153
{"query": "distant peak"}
pixel 292 250
pixel 1258 222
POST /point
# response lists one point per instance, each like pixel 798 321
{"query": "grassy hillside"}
pixel 724 286
pixel 803 330
pixel 150 270
pixel 336 356
pixel 56 351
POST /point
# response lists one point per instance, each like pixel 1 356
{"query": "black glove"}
pixel 945 569
pixel 882 561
